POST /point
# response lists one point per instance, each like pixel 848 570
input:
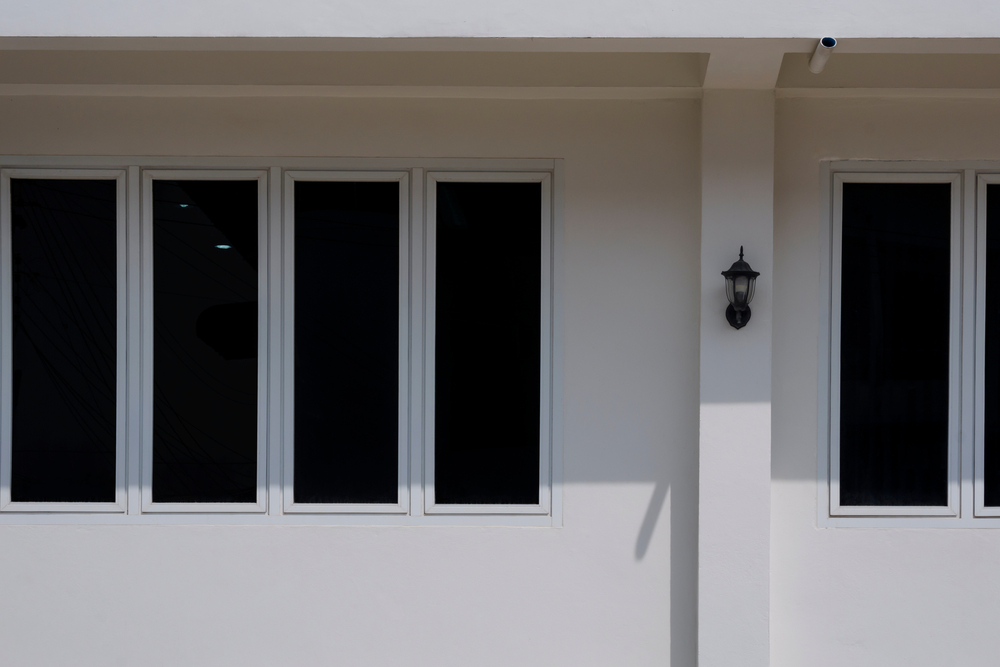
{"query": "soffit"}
pixel 357 68
pixel 893 70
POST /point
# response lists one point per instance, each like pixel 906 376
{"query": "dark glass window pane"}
pixel 63 243
pixel 894 344
pixel 487 347
pixel 991 431
pixel 205 341
pixel 346 342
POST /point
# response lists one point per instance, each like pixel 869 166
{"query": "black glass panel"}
pixel 63 245
pixel 346 342
pixel 205 341
pixel 487 349
pixel 894 344
pixel 991 431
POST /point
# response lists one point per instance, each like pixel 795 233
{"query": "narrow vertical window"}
pixel 205 321
pixel 487 350
pixel 991 375
pixel 346 342
pixel 894 355
pixel 63 249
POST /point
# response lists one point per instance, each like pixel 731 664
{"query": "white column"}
pixel 735 442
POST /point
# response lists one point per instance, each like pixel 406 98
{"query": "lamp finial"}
pixel 741 252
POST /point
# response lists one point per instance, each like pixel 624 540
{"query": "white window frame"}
pixel 260 176
pixel 967 326
pixel 954 347
pixel 6 340
pixel 134 427
pixel 545 384
pixel 402 504
pixel 981 510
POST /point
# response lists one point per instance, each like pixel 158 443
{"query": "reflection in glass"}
pixel 346 342
pixel 894 344
pixel 63 246
pixel 205 341
pixel 487 347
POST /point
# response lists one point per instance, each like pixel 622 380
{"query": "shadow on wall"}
pixel 683 563
pixel 668 457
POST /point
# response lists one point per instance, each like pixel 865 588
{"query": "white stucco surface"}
pixel 616 584
pixel 660 395
pixel 861 596
pixel 516 18
pixel 737 190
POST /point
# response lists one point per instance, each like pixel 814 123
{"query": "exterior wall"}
pixel 737 190
pixel 616 584
pixel 518 18
pixel 861 596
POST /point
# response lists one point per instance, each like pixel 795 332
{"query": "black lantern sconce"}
pixel 740 279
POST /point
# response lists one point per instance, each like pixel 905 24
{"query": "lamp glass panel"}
pixel 741 285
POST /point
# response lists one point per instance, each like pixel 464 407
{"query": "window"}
pixel 62 443
pixel 347 240
pixel 277 343
pixel 895 398
pixel 988 349
pixel 488 342
pixel 913 373
pixel 206 244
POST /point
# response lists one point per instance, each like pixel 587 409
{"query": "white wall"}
pixel 615 585
pixel 861 596
pixel 737 190
pixel 514 18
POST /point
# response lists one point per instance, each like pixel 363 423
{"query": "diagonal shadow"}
pixel 683 561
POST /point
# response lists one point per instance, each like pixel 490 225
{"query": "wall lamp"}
pixel 740 280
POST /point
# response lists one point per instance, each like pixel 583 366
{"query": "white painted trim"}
pixel 403 338
pixel 134 327
pixel 910 522
pixel 955 345
pixel 880 165
pixel 891 93
pixel 825 349
pixel 968 346
pixel 6 346
pixel 556 367
pixel 261 519
pixel 803 45
pixel 146 490
pixel 824 354
pixel 954 401
pixel 981 510
pixel 305 163
pixel 545 388
pixel 430 292
pixel 275 325
pixel 388 91
pixel 418 315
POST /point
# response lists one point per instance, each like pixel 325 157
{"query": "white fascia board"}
pixel 515 18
